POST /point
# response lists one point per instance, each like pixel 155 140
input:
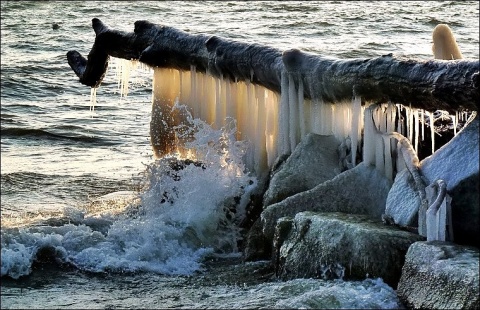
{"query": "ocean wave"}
pixel 53 134
pixel 435 21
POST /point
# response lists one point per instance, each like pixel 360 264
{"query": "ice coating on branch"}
pixel 276 97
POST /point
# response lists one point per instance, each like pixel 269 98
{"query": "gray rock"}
pixel 457 163
pixel 333 245
pixel 360 190
pixel 282 231
pixel 313 161
pixel 256 245
pixel 403 200
pixel 440 275
pixel 456 160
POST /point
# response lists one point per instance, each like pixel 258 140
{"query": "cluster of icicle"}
pixel 275 123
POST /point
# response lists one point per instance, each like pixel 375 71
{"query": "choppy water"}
pixel 59 159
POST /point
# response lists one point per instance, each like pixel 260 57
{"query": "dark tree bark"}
pixel 431 85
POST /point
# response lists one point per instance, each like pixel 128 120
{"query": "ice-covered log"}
pixel 430 85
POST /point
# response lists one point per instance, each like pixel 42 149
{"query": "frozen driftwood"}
pixel 430 85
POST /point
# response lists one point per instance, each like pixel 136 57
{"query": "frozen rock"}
pixel 313 161
pixel 360 190
pixel 336 245
pixel 440 275
pixel 403 200
pixel 456 160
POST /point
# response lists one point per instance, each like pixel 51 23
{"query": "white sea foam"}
pixel 182 216
pixel 306 294
pixel 367 294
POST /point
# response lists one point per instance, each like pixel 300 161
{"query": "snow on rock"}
pixel 403 200
pixel 456 160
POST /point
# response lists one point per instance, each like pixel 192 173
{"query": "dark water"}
pixel 59 159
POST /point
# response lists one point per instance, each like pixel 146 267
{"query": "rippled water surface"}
pixel 59 159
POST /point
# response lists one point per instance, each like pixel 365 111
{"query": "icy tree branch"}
pixel 430 85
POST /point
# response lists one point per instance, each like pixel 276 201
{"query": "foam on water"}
pixel 367 294
pixel 306 294
pixel 179 217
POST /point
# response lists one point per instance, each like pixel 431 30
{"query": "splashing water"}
pixel 188 209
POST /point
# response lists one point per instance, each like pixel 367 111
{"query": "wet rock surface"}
pixel 361 190
pixel 336 245
pixel 440 275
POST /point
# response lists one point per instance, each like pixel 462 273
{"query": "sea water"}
pixel 115 228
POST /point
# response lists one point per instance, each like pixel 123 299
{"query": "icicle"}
pixel 202 110
pixel 432 130
pixel 293 117
pixel 326 118
pixel 315 116
pixel 400 119
pixel 379 154
pixel 391 115
pixel 193 90
pixel 242 108
pixel 390 145
pixel 407 123
pixel 93 98
pixel 382 118
pixel 357 107
pixel 415 114
pixel 369 137
pixel 124 68
pixel 347 120
pixel 400 163
pixel 410 124
pixel 455 122
pixel 307 103
pixel 251 124
pixel 210 94
pixel 229 105
pixel 222 112
pixel 301 109
pixel 271 126
pixel 164 95
pixel 218 104
pixel 261 150
pixel 388 158
pixel 341 120
pixel 422 118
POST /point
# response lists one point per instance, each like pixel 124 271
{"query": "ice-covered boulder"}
pixel 457 164
pixel 403 200
pixel 360 190
pixel 314 160
pixel 336 245
pixel 440 275
pixel 456 160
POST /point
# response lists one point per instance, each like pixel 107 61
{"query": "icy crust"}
pixel 460 158
pixel 274 123
pixel 179 217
